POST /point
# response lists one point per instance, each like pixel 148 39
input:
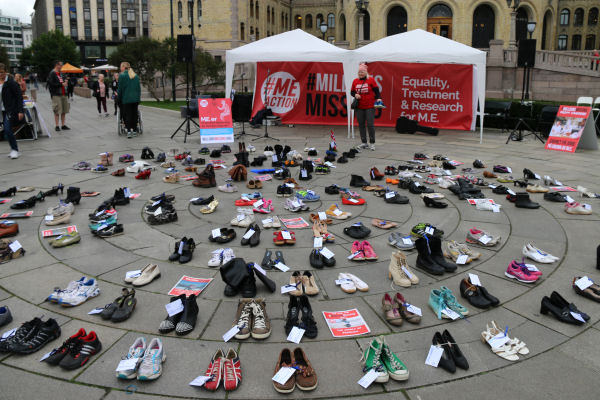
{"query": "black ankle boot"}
pixel 248 286
pixel 189 317
pixel 8 193
pixel 435 245
pixel 119 198
pixel 424 260
pixel 523 201
pixel 73 195
pixel 293 314
pixel 53 191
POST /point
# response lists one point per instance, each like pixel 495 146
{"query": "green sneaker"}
pixel 419 230
pixel 394 366
pixel 107 222
pixel 66 240
pixel 452 303
pixel 372 360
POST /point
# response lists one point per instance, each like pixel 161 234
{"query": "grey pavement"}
pixel 563 360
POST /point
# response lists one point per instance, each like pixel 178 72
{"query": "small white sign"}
pixel 492 186
pixel 284 375
pixel 158 211
pixel 14 246
pixel 231 333
pixel 96 311
pixel 532 267
pixel 248 234
pixel 201 380
pixel 49 218
pixel 156 203
pixel 259 269
pixel 282 267
pixel 407 272
pixel 351 256
pixel 295 335
pixel 303 173
pixel 485 239
pixel 389 195
pixel 510 191
pixel 267 221
pixel 462 259
pixel 325 252
pixel 129 364
pixel 286 235
pixel 496 208
pixel 450 313
pixel 353 201
pixel 368 378
pixel 414 309
pixel 509 169
pixel 194 199
pixel 342 281
pixel 258 203
pixel 337 212
pixel 174 307
pixel 318 242
pixel 240 217
pixel 275 159
pixel 474 279
pixel 434 356
pixel 288 288
pixel 133 274
pixel 569 199
pixel 407 240
pixel 498 341
pixel 216 233
pixel 537 176
pixel 584 283
pixel 45 356
pixel 290 185
pixel 577 316
pixel 295 203
pixel 322 216
pixel 429 230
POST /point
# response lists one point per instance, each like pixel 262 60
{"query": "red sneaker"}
pixel 145 174
pixel 357 249
pixel 232 370
pixel 368 251
pixel 215 370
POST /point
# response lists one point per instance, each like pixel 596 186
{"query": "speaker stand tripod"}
pixel 243 133
pixel 517 133
pixel 265 122
pixel 188 118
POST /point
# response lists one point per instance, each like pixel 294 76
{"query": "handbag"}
pixel 234 272
pixel 354 104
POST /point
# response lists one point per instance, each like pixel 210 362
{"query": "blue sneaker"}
pixel 307 195
pixel 137 350
pixel 252 196
pixel 379 104
pixel 58 293
pixel 78 296
pixel 100 224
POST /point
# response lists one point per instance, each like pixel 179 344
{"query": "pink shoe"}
pixel 265 208
pixel 523 264
pixel 357 249
pixel 520 273
pixel 368 251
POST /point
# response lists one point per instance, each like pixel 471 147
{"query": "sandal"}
pixel 505 351
pixel 315 218
pixel 383 224
pixel 278 239
pixel 517 344
pixel 126 308
pixel 210 208
pixel 119 172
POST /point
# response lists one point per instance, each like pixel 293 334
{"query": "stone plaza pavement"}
pixel 564 361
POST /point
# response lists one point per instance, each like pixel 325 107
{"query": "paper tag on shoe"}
pixel 351 256
pixel 96 311
pixel 368 378
pixel 510 191
pixel 303 173
pixel 133 274
pixel 407 240
pixel 158 211
pixel 126 192
pixel 498 341
pixel 200 381
pixel 414 309
pixel 49 218
pixel 174 307
pixel 318 242
pixel 434 356
pixel 453 315
pixel 569 199
pixel 353 201
pixel 325 252
pixel 283 375
pixel 282 267
pixel 240 217
pixel 181 244
pixel 492 186
pixel 286 235
pixel 259 269
pixel 267 221
pixel 531 267
pixel 155 203
pixel 496 208
pixel 45 356
pixel 407 272
pixel 417 184
pixel 587 206
pixel 429 230
pixel 275 158
pixel 322 216
pixel 194 199
pixel 216 233
pixel 288 288
pixel 248 234
pixel 485 239
pixel 584 283
pixel 577 316
pixel 537 176
pixel 9 333
pixel 342 281
pixel 474 279
pixel 509 169
pixel 129 364
pixel 337 212
pixel 295 335
pixel 258 203
pixel 231 333
pixel 14 246
pixel 462 259
pixel 295 203
pixel 389 195
pixel 290 185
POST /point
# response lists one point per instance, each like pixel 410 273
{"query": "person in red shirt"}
pixel 597 55
pixel 366 91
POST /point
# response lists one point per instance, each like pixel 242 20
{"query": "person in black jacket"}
pixel 11 104
pixel 57 84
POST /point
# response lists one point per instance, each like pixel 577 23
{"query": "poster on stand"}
pixel 215 121
pixel 435 95
pixel 188 285
pixel 346 323
pixel 572 125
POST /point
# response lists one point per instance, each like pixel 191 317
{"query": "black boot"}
pixel 358 181
pixel 119 198
pixel 238 158
pixel 189 317
pixel 187 251
pixel 248 286
pixel 8 193
pixel 435 244
pixel 293 314
pixel 272 286
pixel 73 195
pixel 523 201
pixel 424 260
pixel 308 322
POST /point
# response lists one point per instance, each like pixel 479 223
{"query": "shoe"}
pixel 137 350
pixel 393 365
pixel 5 316
pixel 162 218
pixel 215 371
pixel 169 324
pixel 578 208
pixel 357 231
pixel 308 322
pixel 56 355
pixel 555 196
pixel 232 370
pixel 473 295
pixel 151 365
pixel 187 250
pixel 592 292
pixel 210 207
pixel 507 351
pixel 187 323
pixel 203 201
pixel 532 252
pixel 481 238
pixel 285 360
pixel 372 360
pixel 38 338
pixel 335 212
pixel 561 302
pixel 358 181
pixel 23 332
pixel 261 324
pixel 110 231
pixel 523 201
pixel 356 251
pixel 560 311
pixel 536 189
pixel 110 308
pixel 306 377
pixel 368 251
pixel 459 359
pixel 82 349
pixel 391 312
pixel 425 260
pixel 399 271
pixel 520 272
pixel 80 294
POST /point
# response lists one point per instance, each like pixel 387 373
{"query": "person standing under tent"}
pixel 366 91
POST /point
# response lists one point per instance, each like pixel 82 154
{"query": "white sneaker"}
pixel 14 154
pixel 228 255
pixel 78 296
pixel 485 205
pixel 359 283
pixel 137 350
pixel 215 258
pixel 347 285
pixel 372 146
pixel 247 221
pixel 151 366
pixel 445 183
pixel 58 293
pixel 406 174
pixel 530 251
pixel 228 188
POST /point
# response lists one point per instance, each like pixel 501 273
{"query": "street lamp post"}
pixel 124 31
pixel 362 6
pixel 531 28
pixel 512 43
pixel 324 27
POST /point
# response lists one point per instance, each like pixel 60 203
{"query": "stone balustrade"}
pixel 559 61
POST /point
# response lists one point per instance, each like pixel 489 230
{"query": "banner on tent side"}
pixel 214 118
pixel 572 125
pixel 437 95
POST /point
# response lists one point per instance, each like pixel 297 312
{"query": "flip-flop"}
pixel 383 224
pixel 89 194
pixel 278 239
pixel 266 262
pixel 278 257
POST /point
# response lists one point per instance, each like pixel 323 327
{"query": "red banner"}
pixel 214 113
pixel 437 95
pixel 567 129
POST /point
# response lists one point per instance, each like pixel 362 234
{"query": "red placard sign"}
pixel 437 95
pixel 214 113
pixel 567 129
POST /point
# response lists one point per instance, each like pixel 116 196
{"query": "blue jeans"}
pixel 8 134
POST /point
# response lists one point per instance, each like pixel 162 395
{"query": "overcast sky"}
pixel 21 9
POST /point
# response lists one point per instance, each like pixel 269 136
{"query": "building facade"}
pixel 11 37
pixel 577 25
pixel 96 26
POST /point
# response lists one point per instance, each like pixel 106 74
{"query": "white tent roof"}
pixel 104 67
pixel 295 45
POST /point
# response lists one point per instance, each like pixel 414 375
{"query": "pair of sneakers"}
pixel 380 358
pixel 364 146
pixel 220 257
pixel 225 367
pixel 252 319
pixel 143 360
pixel 76 292
pixel 363 251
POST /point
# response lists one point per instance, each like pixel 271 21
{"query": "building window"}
pixel 308 22
pixel 179 10
pixel 115 32
pixel 145 32
pixel 199 9
pixel 86 14
pixel 130 15
pixel 298 20
pixel 593 16
pixel 282 20
pixel 101 14
pixel 256 12
pixel 590 42
pixel 268 16
pixel 101 33
pixel 145 16
pixel 251 8
pixel 88 32
pixel 257 34
pixel 331 21
pixel 562 42
pixel 576 42
pixel 319 20
pixel 114 14
pixel 578 17
pixel 564 17
pixel 242 32
pixel 190 15
pixel 74 32
pixel 219 59
pixel 92 51
pixel 343 25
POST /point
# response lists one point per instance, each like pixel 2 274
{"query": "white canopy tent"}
pixel 425 47
pixel 105 67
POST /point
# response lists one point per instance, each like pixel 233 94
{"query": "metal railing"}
pixel 560 61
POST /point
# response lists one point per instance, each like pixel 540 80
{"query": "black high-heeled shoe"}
pixel 429 202
pixel 23 204
pixel 446 361
pixel 54 190
pixel 40 196
pixel 559 311
pixel 8 193
pixel 459 359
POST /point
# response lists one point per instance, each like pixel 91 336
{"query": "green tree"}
pixel 209 71
pixel 52 46
pixel 4 59
pixel 26 58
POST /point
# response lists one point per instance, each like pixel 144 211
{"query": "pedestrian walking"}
pixel 11 104
pixel 129 93
pixel 366 91
pixel 100 90
pixel 115 88
pixel 72 82
pixel 57 84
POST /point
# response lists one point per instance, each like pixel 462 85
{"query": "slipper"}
pixel 82 166
pixel 372 188
pixel 89 194
pixel 383 224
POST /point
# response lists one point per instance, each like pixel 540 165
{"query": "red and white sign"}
pixel 568 128
pixel 215 120
pixel 346 323
pixel 436 95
